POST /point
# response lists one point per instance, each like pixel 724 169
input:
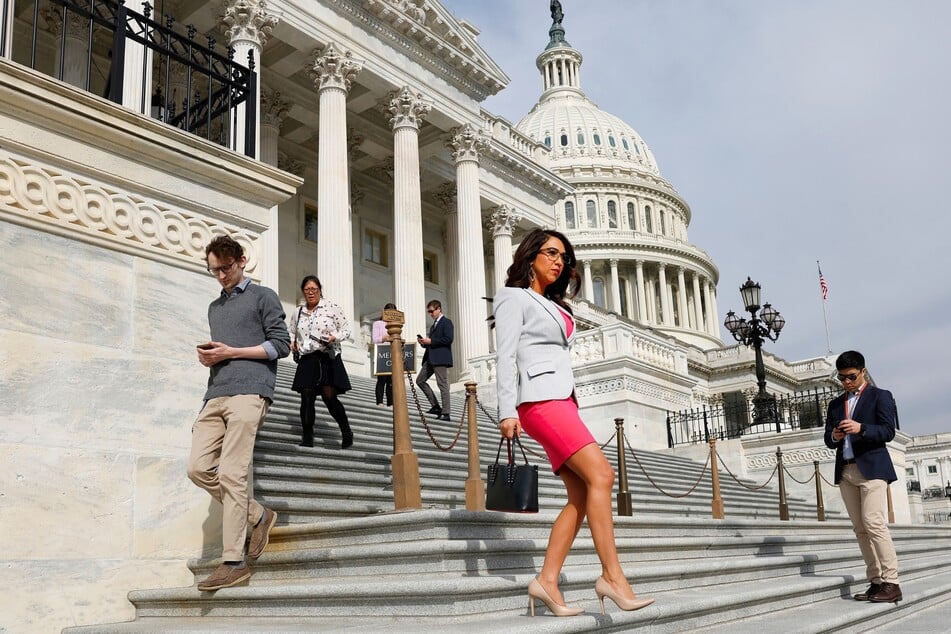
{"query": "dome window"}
pixel 624 143
pixel 648 224
pixel 663 225
pixel 570 215
pixel 631 215
pixel 611 141
pixel 598 287
pixel 637 149
pixel 597 139
pixel 564 140
pixel 612 214
pixel 547 140
pixel 591 210
pixel 580 137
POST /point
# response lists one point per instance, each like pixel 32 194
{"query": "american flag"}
pixel 822 283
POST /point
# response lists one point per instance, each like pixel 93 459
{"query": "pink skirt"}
pixel 556 426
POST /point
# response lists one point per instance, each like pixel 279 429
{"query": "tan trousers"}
pixel 867 504
pixel 222 449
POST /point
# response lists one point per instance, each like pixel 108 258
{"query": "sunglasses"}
pixel 849 377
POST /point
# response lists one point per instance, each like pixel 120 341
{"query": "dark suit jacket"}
pixel 877 412
pixel 439 352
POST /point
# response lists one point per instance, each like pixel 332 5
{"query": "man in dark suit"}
pixel 437 359
pixel 858 425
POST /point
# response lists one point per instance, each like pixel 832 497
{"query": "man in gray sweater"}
pixel 248 336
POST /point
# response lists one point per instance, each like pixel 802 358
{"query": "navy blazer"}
pixel 878 414
pixel 439 352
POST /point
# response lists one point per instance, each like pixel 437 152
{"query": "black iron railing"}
pixel 185 83
pixel 734 418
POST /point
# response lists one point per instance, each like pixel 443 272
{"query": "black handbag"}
pixel 512 487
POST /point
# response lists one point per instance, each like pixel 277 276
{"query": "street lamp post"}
pixel 753 333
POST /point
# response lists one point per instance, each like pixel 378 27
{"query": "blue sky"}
pixel 797 131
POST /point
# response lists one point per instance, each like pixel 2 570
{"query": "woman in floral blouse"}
pixel 316 331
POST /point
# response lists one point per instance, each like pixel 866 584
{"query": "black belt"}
pixel 848 461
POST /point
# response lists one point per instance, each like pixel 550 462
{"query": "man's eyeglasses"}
pixel 554 254
pixel 849 377
pixel 224 268
pixel 430 310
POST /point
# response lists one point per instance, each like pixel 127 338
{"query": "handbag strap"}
pixel 297 323
pixel 511 455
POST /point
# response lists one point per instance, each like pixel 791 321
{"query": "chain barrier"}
pixel 835 486
pixel 654 484
pixel 494 421
pixel 737 480
pixel 422 417
pixel 613 436
pixel 793 478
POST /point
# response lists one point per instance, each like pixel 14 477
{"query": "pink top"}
pixel 569 322
pixel 379 331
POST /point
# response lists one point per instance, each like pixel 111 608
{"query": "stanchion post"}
pixel 623 494
pixel 405 463
pixel 820 505
pixel 716 503
pixel 783 505
pixel 891 509
pixel 475 486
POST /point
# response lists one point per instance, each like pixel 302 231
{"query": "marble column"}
pixel 713 326
pixel 697 305
pixel 247 24
pixel 665 308
pixel 445 195
pixel 641 299
pixel 502 220
pixel 69 55
pixel 274 109
pixel 405 112
pixel 6 24
pixel 615 288
pixel 682 298
pixel 587 281
pixel 333 71
pixel 465 143
pixel 716 310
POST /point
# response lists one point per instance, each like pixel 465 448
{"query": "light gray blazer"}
pixel 533 362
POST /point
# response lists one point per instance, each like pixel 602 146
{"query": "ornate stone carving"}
pixel 77 25
pixel 405 109
pixel 502 220
pixel 445 195
pixel 357 194
pixel 354 140
pixel 384 170
pixel 333 69
pixel 247 21
pixel 72 205
pixel 288 164
pixel 465 143
pixel 795 457
pixel 274 108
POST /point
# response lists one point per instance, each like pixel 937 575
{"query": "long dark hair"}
pixel 520 273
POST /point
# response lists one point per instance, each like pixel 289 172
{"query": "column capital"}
pixel 502 220
pixel 465 143
pixel 247 21
pixel 333 68
pixel 662 266
pixel 639 263
pixel 586 263
pixel 445 195
pixel 404 109
pixel 357 194
pixel 289 164
pixel 614 262
pixel 274 107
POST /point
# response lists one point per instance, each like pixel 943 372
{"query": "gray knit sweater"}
pixel 247 319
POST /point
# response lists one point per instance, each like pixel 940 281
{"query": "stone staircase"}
pixel 342 561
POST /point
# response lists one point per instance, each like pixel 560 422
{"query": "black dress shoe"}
pixel 435 410
pixel 347 442
pixel 872 589
pixel 888 593
pixel 443 417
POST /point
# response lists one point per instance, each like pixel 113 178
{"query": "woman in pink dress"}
pixel 534 328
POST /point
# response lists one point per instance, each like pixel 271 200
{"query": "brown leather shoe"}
pixel 889 593
pixel 225 576
pixel 260 533
pixel 872 589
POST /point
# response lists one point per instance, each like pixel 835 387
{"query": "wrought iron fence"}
pixel 734 418
pixel 187 84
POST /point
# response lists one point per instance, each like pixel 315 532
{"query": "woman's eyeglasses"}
pixel 554 254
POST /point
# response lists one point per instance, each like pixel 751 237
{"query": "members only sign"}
pixel 384 361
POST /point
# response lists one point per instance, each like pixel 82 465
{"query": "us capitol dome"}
pixel 627 222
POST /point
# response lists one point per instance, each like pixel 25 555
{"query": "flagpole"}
pixel 825 320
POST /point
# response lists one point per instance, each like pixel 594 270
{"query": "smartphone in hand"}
pixel 205 346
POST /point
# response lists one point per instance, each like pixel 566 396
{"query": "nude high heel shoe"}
pixel 604 589
pixel 536 591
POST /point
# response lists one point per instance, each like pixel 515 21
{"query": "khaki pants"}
pixel 867 504
pixel 222 449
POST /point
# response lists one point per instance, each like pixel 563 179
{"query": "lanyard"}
pixel 858 395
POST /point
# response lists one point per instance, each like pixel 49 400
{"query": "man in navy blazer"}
pixel 437 359
pixel 858 425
